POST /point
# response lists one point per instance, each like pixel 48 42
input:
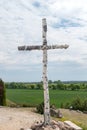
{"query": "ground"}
pixel 16 118
pixel 77 117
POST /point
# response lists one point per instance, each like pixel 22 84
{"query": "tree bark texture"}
pixel 42 47
pixel 45 79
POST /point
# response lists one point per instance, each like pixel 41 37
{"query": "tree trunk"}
pixel 45 80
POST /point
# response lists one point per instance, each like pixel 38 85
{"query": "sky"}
pixel 21 24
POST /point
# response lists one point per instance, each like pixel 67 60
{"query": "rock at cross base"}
pixel 74 126
pixel 55 113
pixel 53 126
pixel 41 126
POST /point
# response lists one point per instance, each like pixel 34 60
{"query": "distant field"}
pixel 34 97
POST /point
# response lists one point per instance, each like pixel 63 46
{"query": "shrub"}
pixel 77 104
pixel 67 105
pixel 2 93
pixel 40 108
pixel 85 105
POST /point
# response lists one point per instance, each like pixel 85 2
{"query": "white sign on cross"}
pixel 44 48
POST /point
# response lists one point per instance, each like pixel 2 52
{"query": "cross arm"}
pixel 42 47
pixel 57 47
pixel 22 48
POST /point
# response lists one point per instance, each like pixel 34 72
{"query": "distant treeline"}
pixel 66 85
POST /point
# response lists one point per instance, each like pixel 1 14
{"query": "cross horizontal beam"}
pixel 42 47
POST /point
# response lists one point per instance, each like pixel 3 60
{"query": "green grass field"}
pixel 34 97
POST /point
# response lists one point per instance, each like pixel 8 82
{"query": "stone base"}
pixel 73 125
pixel 67 125
pixel 53 126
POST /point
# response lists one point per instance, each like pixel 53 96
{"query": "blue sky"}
pixel 21 24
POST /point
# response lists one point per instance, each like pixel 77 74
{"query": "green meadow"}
pixel 35 97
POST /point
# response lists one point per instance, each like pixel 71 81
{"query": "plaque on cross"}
pixel 44 47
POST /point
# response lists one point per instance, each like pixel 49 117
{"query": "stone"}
pixel 55 113
pixel 28 129
pixel 37 126
pixel 72 125
pixel 57 129
pixel 54 125
pixel 21 128
pixel 85 112
pixel 40 126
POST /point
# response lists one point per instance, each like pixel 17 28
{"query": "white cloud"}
pixel 20 24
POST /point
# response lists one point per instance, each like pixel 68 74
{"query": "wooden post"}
pixel 45 79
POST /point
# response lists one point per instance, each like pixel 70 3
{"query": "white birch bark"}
pixel 45 80
pixel 42 47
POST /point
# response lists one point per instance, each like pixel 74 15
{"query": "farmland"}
pixel 34 97
pixel 29 97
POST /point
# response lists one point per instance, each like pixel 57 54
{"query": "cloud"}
pixel 64 23
pixel 84 38
pixel 21 24
pixel 36 4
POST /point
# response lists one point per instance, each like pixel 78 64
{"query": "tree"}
pixel 32 86
pixel 60 85
pixel 53 86
pixel 77 104
pixel 50 81
pixel 12 85
pixel 2 93
pixel 39 86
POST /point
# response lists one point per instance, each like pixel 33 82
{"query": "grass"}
pixel 78 118
pixel 24 96
pixel 34 97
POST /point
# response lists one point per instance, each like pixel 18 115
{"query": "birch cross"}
pixel 44 47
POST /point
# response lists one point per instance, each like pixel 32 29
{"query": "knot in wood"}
pixel 44 47
pixel 45 28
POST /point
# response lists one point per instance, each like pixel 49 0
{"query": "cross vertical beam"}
pixel 44 48
pixel 45 79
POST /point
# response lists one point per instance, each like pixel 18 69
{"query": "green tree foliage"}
pixel 50 81
pixel 2 93
pixel 74 87
pixel 32 86
pixel 39 86
pixel 52 85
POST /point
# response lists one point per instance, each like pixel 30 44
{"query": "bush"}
pixel 2 93
pixel 67 105
pixel 85 105
pixel 77 104
pixel 40 108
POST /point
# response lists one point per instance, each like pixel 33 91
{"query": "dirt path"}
pixel 16 118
